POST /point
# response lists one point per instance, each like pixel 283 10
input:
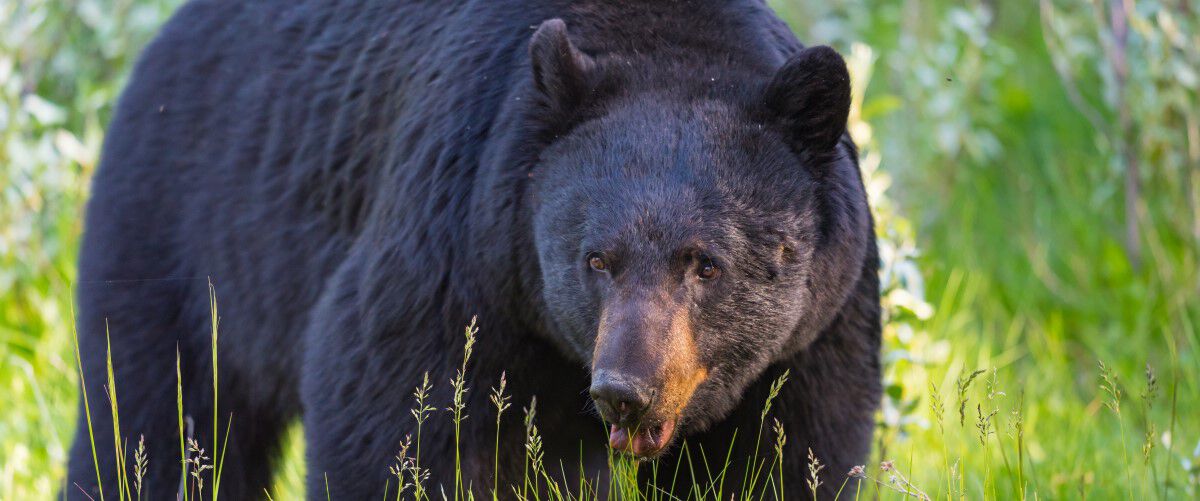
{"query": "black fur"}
pixel 360 177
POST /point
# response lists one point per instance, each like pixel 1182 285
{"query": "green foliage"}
pixel 61 67
pixel 1047 158
pixel 1018 196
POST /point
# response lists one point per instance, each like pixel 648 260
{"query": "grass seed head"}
pixel 1110 385
pixel 858 471
pixel 961 386
pixel 814 471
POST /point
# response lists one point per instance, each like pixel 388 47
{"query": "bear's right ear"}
pixel 560 71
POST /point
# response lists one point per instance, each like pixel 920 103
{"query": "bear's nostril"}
pixel 619 400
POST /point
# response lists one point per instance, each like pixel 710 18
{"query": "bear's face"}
pixel 686 244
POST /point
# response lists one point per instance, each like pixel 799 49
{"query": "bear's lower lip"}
pixel 646 442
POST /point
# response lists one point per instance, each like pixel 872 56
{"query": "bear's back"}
pixel 245 149
pixel 257 141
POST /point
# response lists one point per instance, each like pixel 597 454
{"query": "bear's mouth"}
pixel 645 441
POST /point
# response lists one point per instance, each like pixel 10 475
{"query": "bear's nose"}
pixel 621 401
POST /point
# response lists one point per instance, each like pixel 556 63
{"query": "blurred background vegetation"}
pixel 1035 167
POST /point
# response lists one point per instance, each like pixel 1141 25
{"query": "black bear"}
pixel 652 207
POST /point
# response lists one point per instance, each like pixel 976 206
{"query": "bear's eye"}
pixel 707 270
pixel 596 261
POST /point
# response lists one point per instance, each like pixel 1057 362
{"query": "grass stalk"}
pixel 118 447
pixel 1171 430
pixel 458 404
pixel 218 454
pixel 1110 385
pixel 420 413
pixel 753 469
pixel 183 490
pixel 501 401
pixel 87 409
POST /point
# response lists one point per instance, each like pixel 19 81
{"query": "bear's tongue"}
pixel 646 442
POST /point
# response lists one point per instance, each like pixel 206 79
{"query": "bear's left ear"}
pixel 810 94
pixel 560 71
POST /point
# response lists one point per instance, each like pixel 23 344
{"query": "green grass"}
pixel 983 443
pixel 1000 211
pixel 199 470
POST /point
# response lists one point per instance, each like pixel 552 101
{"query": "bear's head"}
pixel 689 234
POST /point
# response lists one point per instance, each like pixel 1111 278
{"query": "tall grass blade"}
pixel 87 410
pixel 218 454
pixel 183 474
pixel 118 448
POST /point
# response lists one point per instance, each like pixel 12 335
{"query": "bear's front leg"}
pixel 367 349
pixel 370 345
